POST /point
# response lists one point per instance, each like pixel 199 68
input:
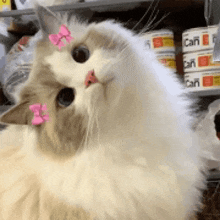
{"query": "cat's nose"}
pixel 91 78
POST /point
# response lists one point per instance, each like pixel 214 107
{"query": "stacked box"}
pixel 162 42
pixel 201 72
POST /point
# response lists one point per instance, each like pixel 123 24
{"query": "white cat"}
pixel 120 148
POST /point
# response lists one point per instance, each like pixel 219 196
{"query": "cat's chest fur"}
pixel 91 184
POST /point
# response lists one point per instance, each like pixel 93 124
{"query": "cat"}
pixel 119 146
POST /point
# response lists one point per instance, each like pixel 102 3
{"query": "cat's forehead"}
pixel 75 26
pixel 100 33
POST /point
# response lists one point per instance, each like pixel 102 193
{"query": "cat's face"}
pixel 58 79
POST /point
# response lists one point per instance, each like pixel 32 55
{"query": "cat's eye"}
pixel 80 54
pixel 65 97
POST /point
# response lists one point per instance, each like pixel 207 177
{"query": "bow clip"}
pixel 39 116
pixel 63 33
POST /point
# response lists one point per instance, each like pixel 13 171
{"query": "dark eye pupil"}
pixel 65 97
pixel 80 54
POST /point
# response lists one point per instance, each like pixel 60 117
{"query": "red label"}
pixel 203 61
pixel 205 39
pixel 207 81
pixel 164 61
pixel 158 42
pixel 23 42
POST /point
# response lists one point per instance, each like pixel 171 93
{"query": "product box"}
pixel 197 39
pixel 167 59
pixel 199 61
pixel 200 81
pixel 5 5
pixel 159 40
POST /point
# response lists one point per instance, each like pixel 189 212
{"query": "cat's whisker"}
pixel 145 14
pixel 85 139
pixel 90 125
pixel 87 133
pixel 98 129
pixel 153 19
pixel 149 23
pixel 148 28
pixel 127 22
pixel 152 14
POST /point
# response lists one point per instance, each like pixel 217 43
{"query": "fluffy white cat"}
pixel 121 148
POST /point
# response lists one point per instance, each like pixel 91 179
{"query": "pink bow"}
pixel 38 117
pixel 64 33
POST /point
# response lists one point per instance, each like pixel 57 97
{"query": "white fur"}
pixel 145 169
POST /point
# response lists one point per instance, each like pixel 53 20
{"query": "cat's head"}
pixel 78 112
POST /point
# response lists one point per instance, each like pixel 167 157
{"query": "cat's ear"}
pixel 48 21
pixel 20 115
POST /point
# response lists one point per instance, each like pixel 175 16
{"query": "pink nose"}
pixel 90 78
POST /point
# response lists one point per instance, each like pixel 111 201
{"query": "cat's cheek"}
pixel 112 91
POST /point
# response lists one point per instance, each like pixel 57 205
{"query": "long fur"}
pixel 124 149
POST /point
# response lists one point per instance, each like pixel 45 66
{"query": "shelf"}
pixel 214 176
pixel 207 93
pixel 123 5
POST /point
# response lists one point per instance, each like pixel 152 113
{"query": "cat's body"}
pixel 122 150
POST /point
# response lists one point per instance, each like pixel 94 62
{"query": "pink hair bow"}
pixel 38 110
pixel 56 38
